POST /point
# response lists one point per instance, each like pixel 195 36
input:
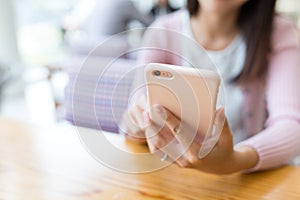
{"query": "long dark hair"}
pixel 255 22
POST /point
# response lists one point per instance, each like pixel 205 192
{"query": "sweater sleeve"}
pixel 279 142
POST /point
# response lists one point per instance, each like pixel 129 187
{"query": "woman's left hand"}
pixel 222 159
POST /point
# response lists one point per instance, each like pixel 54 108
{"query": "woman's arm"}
pixel 279 142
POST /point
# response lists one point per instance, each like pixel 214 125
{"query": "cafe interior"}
pixel 63 93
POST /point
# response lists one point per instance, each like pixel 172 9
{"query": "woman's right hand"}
pixel 133 121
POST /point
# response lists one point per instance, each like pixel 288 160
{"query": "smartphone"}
pixel 189 93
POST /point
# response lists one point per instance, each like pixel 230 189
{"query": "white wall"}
pixel 290 7
pixel 8 48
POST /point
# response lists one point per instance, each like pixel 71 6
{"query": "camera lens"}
pixel 156 73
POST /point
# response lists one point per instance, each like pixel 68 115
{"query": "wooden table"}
pixel 50 163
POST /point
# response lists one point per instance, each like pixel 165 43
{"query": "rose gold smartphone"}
pixel 189 93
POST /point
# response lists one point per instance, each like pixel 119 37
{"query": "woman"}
pixel 161 8
pixel 264 113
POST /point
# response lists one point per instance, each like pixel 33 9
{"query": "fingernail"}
pixel 220 115
pixel 146 118
pixel 159 109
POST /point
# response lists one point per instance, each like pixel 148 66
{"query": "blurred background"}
pixel 38 38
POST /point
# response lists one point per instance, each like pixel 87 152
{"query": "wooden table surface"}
pixel 50 163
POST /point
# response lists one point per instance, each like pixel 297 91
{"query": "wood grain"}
pixel 50 163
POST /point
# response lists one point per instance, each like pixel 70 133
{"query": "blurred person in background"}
pixel 102 19
pixel 161 7
pixel 113 16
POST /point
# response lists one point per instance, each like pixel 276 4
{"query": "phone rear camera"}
pixel 156 73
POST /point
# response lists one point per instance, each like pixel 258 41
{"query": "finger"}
pixel 181 148
pixel 226 137
pixel 207 146
pixel 142 102
pixel 136 117
pixel 176 153
pixel 157 118
pixel 158 115
pixel 220 118
pixel 164 132
pixel 154 133
pixel 183 162
pixel 183 132
pixel 222 125
pixel 171 120
pixel 164 144
pixel 154 138
pixel 166 120
pixel 135 113
pixel 147 120
pixel 152 148
pixel 168 136
pixel 211 140
pixel 127 127
pixel 219 123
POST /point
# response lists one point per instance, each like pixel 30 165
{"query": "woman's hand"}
pixel 222 159
pixel 133 121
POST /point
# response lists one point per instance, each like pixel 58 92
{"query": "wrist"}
pixel 246 158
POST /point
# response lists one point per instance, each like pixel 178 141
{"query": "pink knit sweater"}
pixel 271 114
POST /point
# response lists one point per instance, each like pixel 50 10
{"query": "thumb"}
pixel 220 115
pixel 220 121
pixel 211 140
pixel 221 124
